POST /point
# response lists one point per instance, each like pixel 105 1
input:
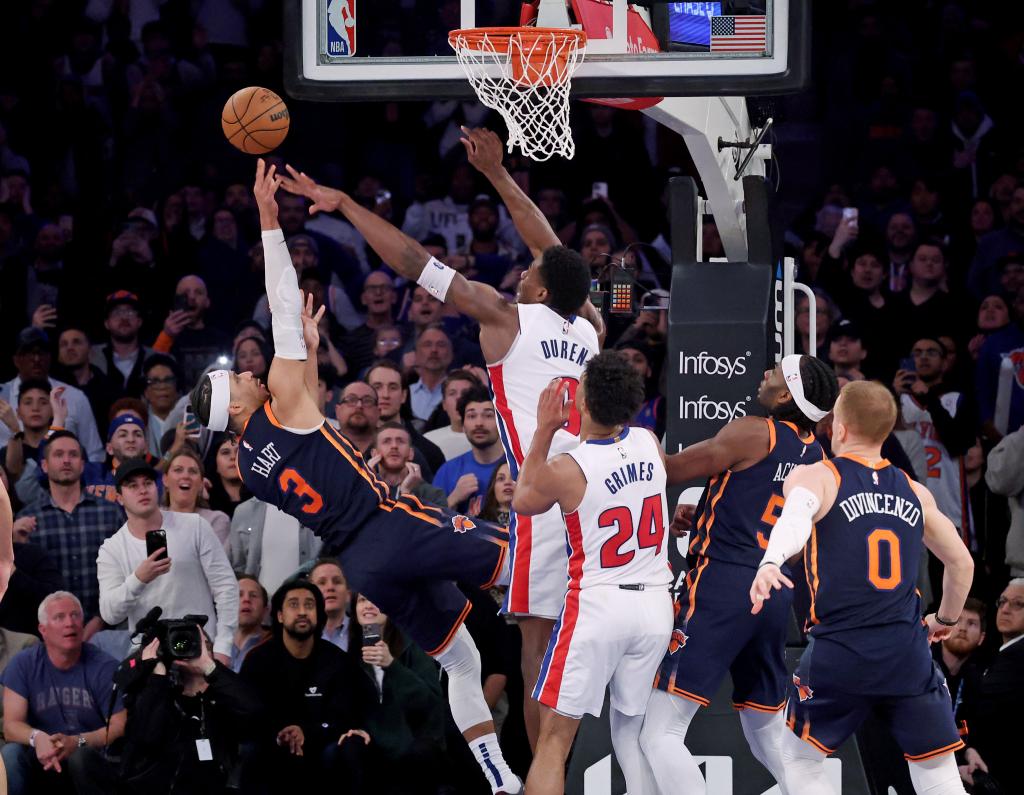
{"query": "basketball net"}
pixel 525 75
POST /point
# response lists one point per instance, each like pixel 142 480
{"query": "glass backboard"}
pixel 361 50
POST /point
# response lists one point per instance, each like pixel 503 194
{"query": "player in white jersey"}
pixel 548 332
pixel 617 614
pixel 938 418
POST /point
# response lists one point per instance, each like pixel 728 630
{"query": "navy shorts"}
pixel 407 560
pixel 824 715
pixel 715 633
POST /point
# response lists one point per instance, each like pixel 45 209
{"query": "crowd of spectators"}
pixel 130 261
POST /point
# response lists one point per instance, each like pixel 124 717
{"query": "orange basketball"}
pixel 255 120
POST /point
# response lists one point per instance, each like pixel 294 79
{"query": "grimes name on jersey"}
pixel 630 473
pixel 871 502
pixel 563 349
pixel 265 460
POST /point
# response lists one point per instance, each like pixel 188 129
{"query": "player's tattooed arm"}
pixel 485 152
pixel 740 444
pixel 543 483
pixel 406 256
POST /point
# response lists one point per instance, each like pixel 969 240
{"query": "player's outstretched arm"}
pixel 6 539
pixel 941 537
pixel 485 152
pixel 810 492
pixel 743 441
pixel 287 378
pixel 480 301
pixel 542 483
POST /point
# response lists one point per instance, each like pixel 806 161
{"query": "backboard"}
pixel 359 50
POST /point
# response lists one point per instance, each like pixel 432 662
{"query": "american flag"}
pixel 738 34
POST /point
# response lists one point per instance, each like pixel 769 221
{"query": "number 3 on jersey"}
pixel 650 531
pixel 291 480
pixel 574 423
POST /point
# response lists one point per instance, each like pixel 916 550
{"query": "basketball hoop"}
pixel 525 75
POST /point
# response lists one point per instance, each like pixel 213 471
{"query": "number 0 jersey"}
pixel 318 477
pixel 548 346
pixel 861 564
pixel 738 509
pixel 617 533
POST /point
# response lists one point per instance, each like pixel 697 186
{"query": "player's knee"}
pixel 936 776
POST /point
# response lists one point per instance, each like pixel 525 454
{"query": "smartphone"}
pixel 908 364
pixel 156 539
pixel 192 426
pixel 371 634
pixel 181 303
pixel 599 190
pixel 383 196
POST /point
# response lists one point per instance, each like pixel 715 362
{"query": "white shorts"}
pixel 538 565
pixel 605 637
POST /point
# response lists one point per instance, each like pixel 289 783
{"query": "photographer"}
pixel 184 725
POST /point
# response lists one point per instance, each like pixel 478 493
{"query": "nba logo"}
pixel 246 445
pixel 874 478
pixel 341 28
pixel 565 327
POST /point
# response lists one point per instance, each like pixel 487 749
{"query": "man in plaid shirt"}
pixel 71 524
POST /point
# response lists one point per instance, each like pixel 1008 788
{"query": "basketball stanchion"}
pixel 525 75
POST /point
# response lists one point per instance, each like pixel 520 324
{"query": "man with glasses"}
pixel 993 710
pixel 379 298
pixel 945 425
pixel 358 415
pixel 122 358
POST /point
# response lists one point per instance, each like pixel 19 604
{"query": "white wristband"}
pixel 436 278
pixel 793 528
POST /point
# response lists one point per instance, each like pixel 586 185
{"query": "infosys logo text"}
pixel 704 363
pixel 704 408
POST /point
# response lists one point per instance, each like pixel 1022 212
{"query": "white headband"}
pixel 795 385
pixel 219 400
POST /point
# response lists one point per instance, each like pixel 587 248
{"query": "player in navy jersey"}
pixel 747 462
pixel 861 523
pixel 403 555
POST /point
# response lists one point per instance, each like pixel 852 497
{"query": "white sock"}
pixel 662 740
pixel 763 731
pixel 492 763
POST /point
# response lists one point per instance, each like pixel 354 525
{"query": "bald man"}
pixel 188 334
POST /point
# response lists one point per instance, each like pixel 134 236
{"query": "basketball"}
pixel 255 120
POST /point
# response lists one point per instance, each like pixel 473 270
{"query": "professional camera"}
pixel 180 638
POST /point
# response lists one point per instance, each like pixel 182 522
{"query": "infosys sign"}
pixel 710 405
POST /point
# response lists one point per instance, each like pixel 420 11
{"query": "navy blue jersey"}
pixel 739 509
pixel 319 477
pixel 861 562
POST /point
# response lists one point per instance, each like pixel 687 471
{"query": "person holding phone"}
pixel 166 559
pixel 408 724
pixel 944 420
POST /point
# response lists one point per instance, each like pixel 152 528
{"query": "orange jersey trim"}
pixel 881 464
pixel 835 472
pixel 946 749
pixel 503 552
pixel 357 465
pixel 771 435
pixel 271 416
pixel 811 573
pixel 675 691
pixel 758 707
pixel 451 633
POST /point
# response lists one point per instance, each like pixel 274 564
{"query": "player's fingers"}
pixel 260 167
pixel 320 313
pixel 291 170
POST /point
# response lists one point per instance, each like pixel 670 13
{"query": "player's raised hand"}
pixel 769 577
pixel 311 324
pixel 484 149
pixel 553 406
pixel 265 190
pixel 325 200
